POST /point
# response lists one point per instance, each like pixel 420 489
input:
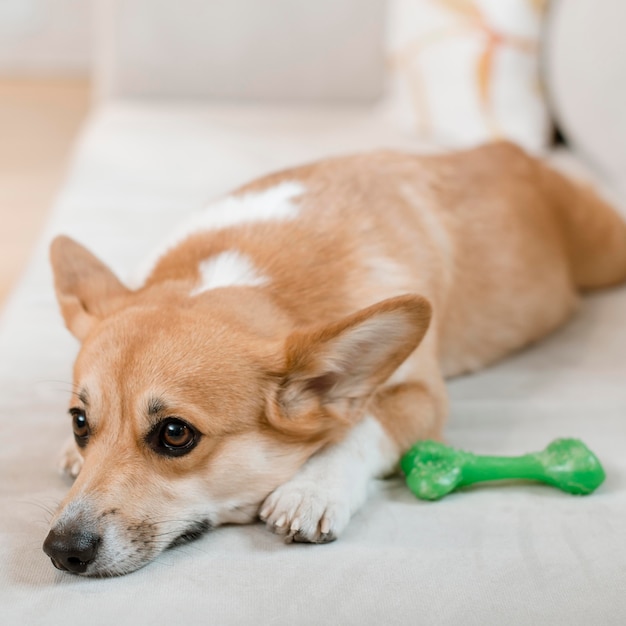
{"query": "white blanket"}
pixel 516 554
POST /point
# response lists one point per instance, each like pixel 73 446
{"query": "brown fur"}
pixel 506 245
pixel 495 243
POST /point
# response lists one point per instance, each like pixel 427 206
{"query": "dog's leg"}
pixel 70 460
pixel 316 505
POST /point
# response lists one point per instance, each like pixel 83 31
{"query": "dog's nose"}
pixel 71 551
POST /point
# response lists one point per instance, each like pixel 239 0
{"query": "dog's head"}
pixel 189 410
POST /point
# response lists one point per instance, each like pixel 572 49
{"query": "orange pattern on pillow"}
pixel 492 30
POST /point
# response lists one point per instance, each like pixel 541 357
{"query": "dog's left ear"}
pixel 86 288
pixel 333 371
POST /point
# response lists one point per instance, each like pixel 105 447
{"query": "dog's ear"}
pixel 86 289
pixel 332 372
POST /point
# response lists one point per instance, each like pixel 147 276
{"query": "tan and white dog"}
pixel 293 341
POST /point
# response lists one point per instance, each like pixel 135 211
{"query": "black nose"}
pixel 71 551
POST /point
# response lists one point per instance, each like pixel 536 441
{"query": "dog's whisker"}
pixel 48 381
pixel 45 508
pixel 173 521
pixel 67 384
pixel 41 523
pixel 170 532
pixel 187 546
pixel 163 545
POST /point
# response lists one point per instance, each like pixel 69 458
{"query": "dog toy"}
pixel 433 469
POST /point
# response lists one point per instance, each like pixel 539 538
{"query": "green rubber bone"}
pixel 433 469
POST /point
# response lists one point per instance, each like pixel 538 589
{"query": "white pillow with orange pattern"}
pixel 467 71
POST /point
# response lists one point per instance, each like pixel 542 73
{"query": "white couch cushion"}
pixel 518 554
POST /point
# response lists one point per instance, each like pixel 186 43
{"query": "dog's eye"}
pixel 173 437
pixel 80 426
pixel 176 435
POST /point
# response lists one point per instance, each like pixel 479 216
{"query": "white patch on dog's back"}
pixel 228 269
pixel 432 222
pixel 272 204
pixel 390 277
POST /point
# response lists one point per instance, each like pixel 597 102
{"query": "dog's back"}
pixel 498 242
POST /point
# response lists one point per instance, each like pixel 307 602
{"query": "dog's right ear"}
pixel 332 371
pixel 86 289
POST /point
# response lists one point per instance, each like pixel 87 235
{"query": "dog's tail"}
pixel 595 234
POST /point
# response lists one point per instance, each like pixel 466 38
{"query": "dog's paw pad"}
pixel 70 461
pixel 305 512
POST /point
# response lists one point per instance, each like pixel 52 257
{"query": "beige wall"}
pixel 45 37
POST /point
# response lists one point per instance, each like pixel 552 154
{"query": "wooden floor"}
pixel 39 121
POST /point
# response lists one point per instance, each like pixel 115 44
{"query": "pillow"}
pixel 467 71
pixel 586 78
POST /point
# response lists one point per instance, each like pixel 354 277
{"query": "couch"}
pixel 520 554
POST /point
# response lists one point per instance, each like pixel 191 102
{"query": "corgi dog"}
pixel 292 341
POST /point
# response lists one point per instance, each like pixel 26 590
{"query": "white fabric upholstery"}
pixel 517 554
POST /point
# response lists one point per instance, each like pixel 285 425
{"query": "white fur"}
pixel 432 222
pixel 275 203
pixel 391 278
pixel 316 505
pixel 227 269
pixel 71 460
pixel 403 373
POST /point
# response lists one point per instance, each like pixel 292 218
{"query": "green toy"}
pixel 433 469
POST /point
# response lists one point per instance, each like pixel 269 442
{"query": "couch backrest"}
pixel 585 57
pixel 302 50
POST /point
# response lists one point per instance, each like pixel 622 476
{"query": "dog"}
pixel 292 341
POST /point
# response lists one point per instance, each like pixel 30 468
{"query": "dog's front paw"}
pixel 70 461
pixel 306 511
